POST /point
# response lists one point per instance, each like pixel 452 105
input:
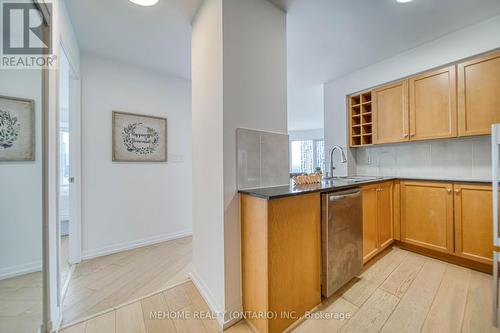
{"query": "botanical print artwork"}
pixel 17 129
pixel 139 138
pixel 9 129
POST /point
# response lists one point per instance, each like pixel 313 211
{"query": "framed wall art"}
pixel 17 129
pixel 139 138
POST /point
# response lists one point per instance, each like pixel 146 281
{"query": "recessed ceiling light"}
pixel 404 1
pixel 146 3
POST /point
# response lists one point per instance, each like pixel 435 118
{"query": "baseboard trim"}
pixel 107 250
pixel 223 320
pixel 207 296
pixel 17 270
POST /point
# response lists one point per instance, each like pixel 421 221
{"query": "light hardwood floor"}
pixel 106 282
pixel 400 292
pixel 21 303
pixel 65 266
pixel 406 292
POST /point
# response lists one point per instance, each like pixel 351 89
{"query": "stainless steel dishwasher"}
pixel 341 239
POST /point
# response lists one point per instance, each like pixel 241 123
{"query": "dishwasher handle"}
pixel 344 195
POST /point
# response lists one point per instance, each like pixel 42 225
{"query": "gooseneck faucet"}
pixel 343 158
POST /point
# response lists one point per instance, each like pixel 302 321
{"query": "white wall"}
pixel 245 42
pixel 208 178
pixel 312 134
pixel 132 204
pixel 21 187
pixel 255 86
pixel 305 105
pixel 461 44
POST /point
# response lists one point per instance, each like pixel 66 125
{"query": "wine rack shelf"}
pixel 360 119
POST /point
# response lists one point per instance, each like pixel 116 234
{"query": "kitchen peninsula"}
pixel 281 235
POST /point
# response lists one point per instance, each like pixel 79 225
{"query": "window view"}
pixel 307 155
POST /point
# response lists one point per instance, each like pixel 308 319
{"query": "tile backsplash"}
pixel 262 159
pixel 468 157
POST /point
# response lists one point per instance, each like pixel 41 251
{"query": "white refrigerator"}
pixel 495 175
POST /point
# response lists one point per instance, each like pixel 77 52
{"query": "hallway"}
pixel 401 292
pixel 107 282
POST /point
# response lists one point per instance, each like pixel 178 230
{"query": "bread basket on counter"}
pixel 307 179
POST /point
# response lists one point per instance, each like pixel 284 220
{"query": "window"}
pixel 320 154
pixel 307 155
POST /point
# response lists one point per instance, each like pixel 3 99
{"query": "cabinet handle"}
pixel 449 190
pixel 405 135
pixel 457 191
pixel 412 135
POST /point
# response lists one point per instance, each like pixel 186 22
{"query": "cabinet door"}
pixel 433 109
pixel 473 216
pixel 385 217
pixel 370 230
pixel 478 95
pixel 390 113
pixel 396 210
pixel 427 215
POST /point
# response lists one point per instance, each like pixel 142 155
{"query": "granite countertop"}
pixel 333 185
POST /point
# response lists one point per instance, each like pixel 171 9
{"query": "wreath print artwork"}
pixel 9 129
pixel 140 139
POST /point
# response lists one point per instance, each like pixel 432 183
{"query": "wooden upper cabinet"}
pixel 385 217
pixel 473 216
pixel 390 113
pixel 370 228
pixel 427 215
pixel 478 95
pixel 433 107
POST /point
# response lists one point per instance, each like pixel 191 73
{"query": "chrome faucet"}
pixel 343 158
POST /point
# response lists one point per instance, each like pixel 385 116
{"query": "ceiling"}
pixel 157 37
pixel 326 38
pixel 330 38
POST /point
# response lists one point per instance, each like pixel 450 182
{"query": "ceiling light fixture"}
pixel 404 1
pixel 146 3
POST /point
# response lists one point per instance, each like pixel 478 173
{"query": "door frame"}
pixel 74 255
pixel 75 202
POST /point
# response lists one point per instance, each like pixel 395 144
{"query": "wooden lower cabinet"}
pixel 370 227
pixel 452 218
pixel 385 217
pixel 473 216
pixel 377 218
pixel 396 210
pixel 281 258
pixel 427 215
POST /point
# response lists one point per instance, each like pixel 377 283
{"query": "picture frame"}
pixel 139 138
pixel 17 129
